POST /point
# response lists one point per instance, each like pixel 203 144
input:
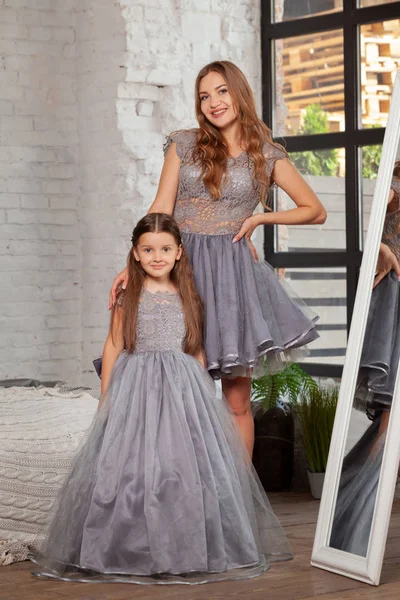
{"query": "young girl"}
pixel 212 180
pixel 162 490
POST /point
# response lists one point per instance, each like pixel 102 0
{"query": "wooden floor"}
pixel 292 580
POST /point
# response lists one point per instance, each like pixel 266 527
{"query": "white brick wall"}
pixel 40 252
pixel 91 88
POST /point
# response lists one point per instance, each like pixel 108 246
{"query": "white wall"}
pixel 40 256
pixel 89 90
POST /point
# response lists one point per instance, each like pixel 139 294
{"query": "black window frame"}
pixel 349 20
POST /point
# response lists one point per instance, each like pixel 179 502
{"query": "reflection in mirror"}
pixel 374 392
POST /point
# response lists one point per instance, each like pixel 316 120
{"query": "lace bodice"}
pixel 160 323
pixel 391 227
pixel 195 211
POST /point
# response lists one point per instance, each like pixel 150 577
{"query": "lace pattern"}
pixel 160 324
pixel 391 227
pixel 195 212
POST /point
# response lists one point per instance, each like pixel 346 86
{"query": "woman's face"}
pixel 216 103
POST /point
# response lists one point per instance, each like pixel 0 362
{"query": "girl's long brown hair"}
pixel 211 151
pixel 181 276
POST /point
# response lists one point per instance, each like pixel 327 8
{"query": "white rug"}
pixel 40 430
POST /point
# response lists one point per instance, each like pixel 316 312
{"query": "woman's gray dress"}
pixel 248 313
pixel 381 350
pixel 162 489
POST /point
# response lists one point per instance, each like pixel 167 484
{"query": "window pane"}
pixel 286 10
pixel 363 3
pixel 370 157
pixel 380 58
pixel 324 291
pixel 309 84
pixel 324 171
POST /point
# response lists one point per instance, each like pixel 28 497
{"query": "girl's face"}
pixel 216 103
pixel 157 253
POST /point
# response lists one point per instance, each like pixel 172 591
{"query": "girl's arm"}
pixel 309 209
pixel 201 357
pixel 164 202
pixel 112 349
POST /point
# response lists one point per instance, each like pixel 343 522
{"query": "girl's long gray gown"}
pixel 162 490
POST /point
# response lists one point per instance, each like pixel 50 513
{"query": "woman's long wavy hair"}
pixel 396 170
pixel 181 276
pixel 211 151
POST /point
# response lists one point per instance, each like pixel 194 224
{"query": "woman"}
pixel 375 387
pixel 381 349
pixel 212 180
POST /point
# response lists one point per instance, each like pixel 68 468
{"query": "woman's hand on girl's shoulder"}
pixel 119 283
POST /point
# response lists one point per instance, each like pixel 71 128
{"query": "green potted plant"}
pixel 272 398
pixel 316 409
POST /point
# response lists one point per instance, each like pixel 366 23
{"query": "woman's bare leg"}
pixel 237 392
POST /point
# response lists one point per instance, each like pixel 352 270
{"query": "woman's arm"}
pixel 392 206
pixel 112 349
pixel 164 202
pixel 309 209
pixel 387 262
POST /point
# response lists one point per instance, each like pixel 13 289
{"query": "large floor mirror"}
pixel 365 448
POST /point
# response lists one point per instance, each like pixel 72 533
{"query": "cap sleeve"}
pixel 185 141
pixel 273 153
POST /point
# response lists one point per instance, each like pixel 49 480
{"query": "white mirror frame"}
pixel 366 569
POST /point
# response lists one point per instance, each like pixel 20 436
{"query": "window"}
pixel 328 68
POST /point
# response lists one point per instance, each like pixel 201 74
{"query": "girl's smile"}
pixel 157 253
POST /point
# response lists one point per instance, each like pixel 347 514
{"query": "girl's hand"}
pixel 120 278
pixel 246 231
pixel 387 262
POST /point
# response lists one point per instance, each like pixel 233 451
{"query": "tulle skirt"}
pixel 162 489
pixel 381 349
pixel 248 312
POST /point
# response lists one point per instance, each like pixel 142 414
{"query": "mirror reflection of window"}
pixel 380 58
pixel 370 157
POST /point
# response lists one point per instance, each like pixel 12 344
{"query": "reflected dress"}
pixel 162 489
pixel 375 386
pixel 381 349
pixel 248 313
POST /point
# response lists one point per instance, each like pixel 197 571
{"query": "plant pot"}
pixel 273 448
pixel 316 481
